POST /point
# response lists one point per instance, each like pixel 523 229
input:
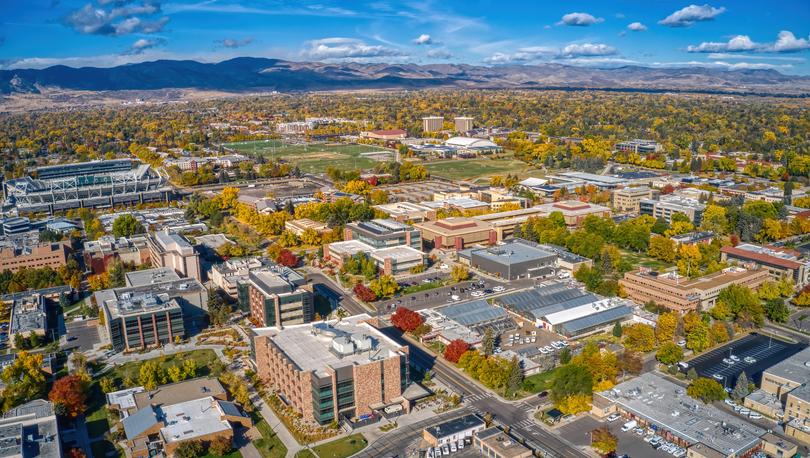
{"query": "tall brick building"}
pixel 328 370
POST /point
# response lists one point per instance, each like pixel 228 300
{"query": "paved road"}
pixel 518 416
pixel 404 440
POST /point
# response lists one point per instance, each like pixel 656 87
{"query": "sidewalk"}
pixel 275 423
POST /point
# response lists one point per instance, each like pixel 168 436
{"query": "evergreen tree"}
pixel 515 375
pixel 289 207
pixel 617 330
pixel 692 374
pixel 741 388
pixel 488 344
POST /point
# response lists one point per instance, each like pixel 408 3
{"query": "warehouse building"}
pixel 336 369
pixel 513 259
pixel 30 430
pixel 87 184
pixel 704 430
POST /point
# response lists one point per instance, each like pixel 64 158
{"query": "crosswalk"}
pixel 525 406
pixel 477 397
pixel 525 423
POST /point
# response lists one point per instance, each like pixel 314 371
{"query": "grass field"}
pixel 313 158
pixel 343 447
pixel 472 169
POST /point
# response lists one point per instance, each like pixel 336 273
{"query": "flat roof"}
pixel 666 405
pixel 402 253
pixel 28 314
pixel 513 251
pixel 594 177
pixel 455 426
pixel 151 276
pixel 584 310
pixel 180 392
pixel 400 208
pixel 310 346
pixel 473 313
pixel 193 418
pixel 454 226
pixel 796 368
pixel 349 247
pixel 769 255
pixel 706 282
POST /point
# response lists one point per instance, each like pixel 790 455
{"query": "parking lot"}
pixel 800 320
pixel 443 295
pixel 765 350
pixel 527 336
pixel 629 443
pixel 81 335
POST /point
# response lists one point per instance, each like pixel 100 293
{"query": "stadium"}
pixel 96 184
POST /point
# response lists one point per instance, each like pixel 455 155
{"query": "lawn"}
pixel 471 169
pixel 343 447
pixel 207 364
pixel 642 260
pixel 269 445
pixel 313 158
pixel 538 382
pixel 305 454
pixel 233 454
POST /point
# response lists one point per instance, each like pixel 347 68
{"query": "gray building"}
pixel 30 430
pixel 278 296
pixel 156 307
pixel 384 233
pixel 515 258
pixel 28 316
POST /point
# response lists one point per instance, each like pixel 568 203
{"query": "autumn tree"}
pixel 364 293
pixel 406 319
pixel 385 286
pixel 639 337
pixel 669 353
pixel 454 351
pixel 24 380
pixel 68 395
pixel 286 258
pixel 459 273
pixel 150 375
pixel 666 327
pixel 603 441
pixel 127 225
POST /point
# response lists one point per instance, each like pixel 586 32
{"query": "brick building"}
pixel 53 255
pixel 339 368
pixel 278 296
pixel 457 233
pixel 675 292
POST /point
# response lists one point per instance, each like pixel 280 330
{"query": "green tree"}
pixel 107 384
pixel 515 380
pixel 617 329
pixel 488 342
pixel 127 225
pixel 190 368
pixel 175 374
pixel 706 390
pixel 569 380
pixel 691 374
pixel 741 387
pixel 777 311
pixel 697 338
pixel 189 449
pixel 669 353
pixel 116 275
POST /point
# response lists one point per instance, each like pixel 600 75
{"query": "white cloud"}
pixel 580 19
pixel 440 54
pixel 587 49
pixel 346 48
pixel 736 43
pixel 687 16
pixel 423 39
pixel 116 18
pixel 785 42
pixel 142 45
pixel 735 56
pixel 637 27
pixel 536 53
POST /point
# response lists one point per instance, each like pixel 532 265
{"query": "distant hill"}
pixel 252 74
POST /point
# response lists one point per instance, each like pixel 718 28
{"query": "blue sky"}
pixel 730 34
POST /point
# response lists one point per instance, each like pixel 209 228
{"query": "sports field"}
pixel 472 169
pixel 311 157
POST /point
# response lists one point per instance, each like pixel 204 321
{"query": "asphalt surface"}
pixel 81 335
pixel 404 441
pixel 518 416
pixel 766 350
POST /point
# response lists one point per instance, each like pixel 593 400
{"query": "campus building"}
pixel 100 254
pixel 452 431
pixel 386 135
pixel 299 226
pixel 513 259
pixel 779 262
pixel 675 292
pixel 169 249
pixel 432 123
pixel 53 255
pixel 703 429
pixel 574 211
pixel 628 199
pixel 231 276
pixel 463 123
pixel 407 212
pixel 390 260
pixel 495 443
pixel 153 309
pixel 456 233
pixel 87 184
pixel 505 223
pixel 639 146
pixel 335 369
pixel 668 205
pixel 30 430
pixel 383 233
pixel 279 296
pixel 28 315
pixel 156 422
pixel 566 310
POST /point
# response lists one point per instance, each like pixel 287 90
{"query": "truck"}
pixel 629 425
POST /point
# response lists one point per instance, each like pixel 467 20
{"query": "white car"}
pixel 498 289
pixel 613 417
pixel 682 343
pixel 461 444
pixel 548 349
pixel 453 447
pixel 717 377
pixel 734 358
pixel 730 402
pixel 543 351
pixel 750 360
pixel 728 361
pixel 755 416
pixel 443 266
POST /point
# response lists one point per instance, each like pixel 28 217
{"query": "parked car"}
pixel 717 377
pixel 750 360
pixel 682 343
pixel 734 358
pixel 613 417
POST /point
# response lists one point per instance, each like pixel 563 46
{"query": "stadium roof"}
pixel 470 142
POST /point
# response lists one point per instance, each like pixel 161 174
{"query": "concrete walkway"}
pixel 275 423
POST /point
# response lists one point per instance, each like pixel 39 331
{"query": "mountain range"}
pixel 246 74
